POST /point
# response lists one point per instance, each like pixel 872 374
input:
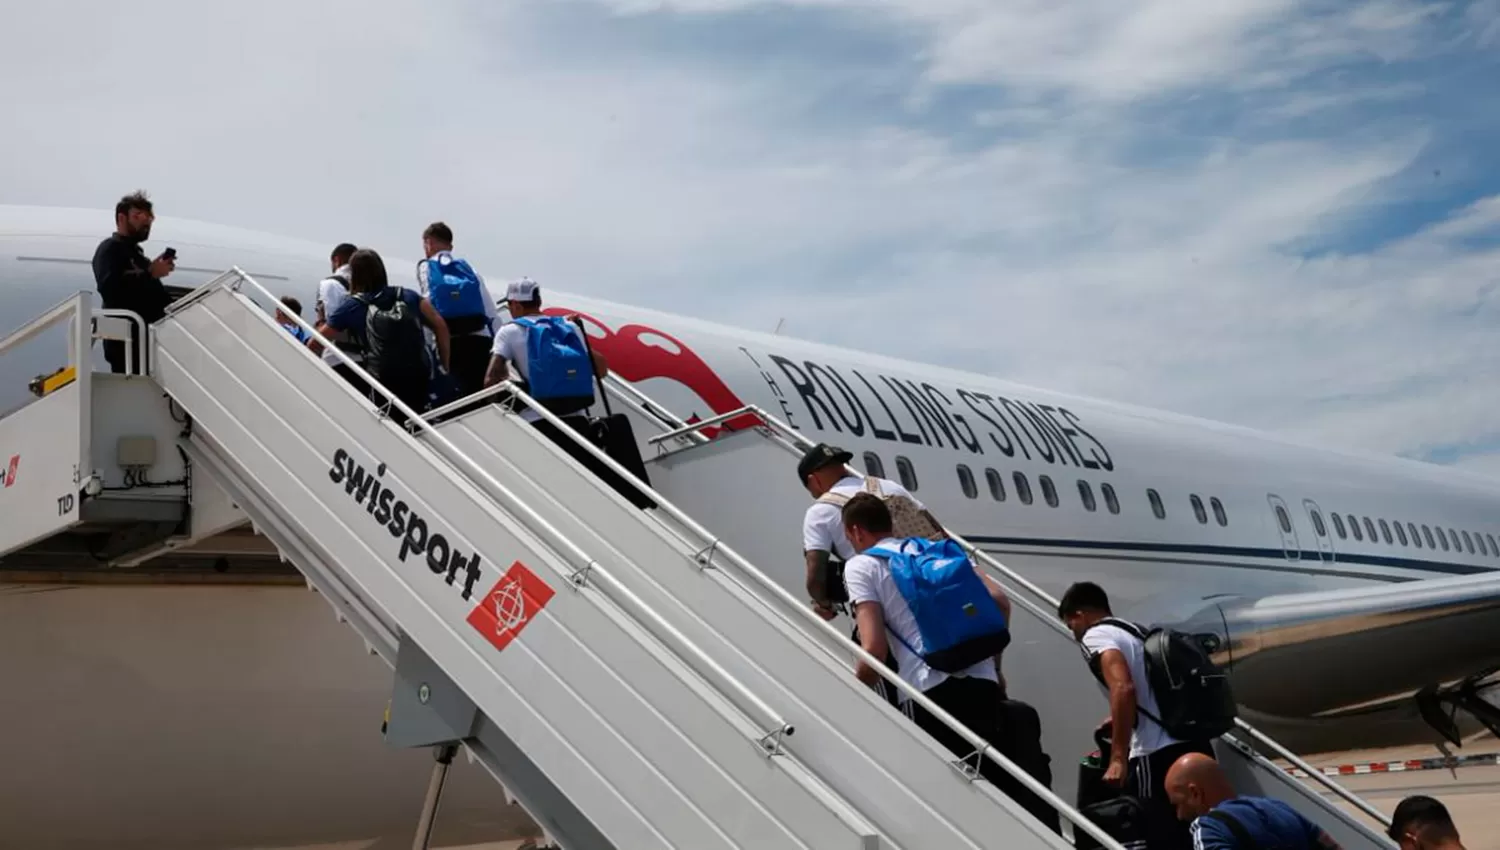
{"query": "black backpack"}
pixel 395 347
pixel 1192 692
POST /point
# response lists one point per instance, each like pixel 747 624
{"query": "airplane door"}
pixel 1321 533
pixel 1282 519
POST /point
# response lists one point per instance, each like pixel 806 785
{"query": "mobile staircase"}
pixel 627 678
pixel 686 462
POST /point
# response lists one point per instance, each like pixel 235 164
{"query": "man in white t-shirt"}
pixel 469 348
pixel 524 299
pixel 1141 751
pixel 973 696
pixel 822 471
pixel 333 291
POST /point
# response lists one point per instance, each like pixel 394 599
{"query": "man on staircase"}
pixel 460 296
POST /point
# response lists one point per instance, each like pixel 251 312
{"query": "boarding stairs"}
pixel 749 445
pixel 628 676
pixel 631 682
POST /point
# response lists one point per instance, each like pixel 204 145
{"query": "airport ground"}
pixel 1471 793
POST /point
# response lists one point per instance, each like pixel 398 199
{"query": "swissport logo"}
pixel 514 601
pixel 9 472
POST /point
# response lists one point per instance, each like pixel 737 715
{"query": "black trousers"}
pixel 415 396
pixel 1146 780
pixel 976 703
pixel 570 444
pixel 468 360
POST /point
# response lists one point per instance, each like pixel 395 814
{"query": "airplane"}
pixel 1353 597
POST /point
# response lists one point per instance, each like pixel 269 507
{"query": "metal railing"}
pixel 796 443
pixel 712 545
pixel 581 564
pixel 77 310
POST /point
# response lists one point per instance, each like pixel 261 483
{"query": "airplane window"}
pixel 1354 528
pixel 1370 530
pixel 1468 542
pixel 1198 510
pixel 1220 516
pixel 1385 531
pixel 873 466
pixel 1318 525
pixel 1156 506
pixel 1023 487
pixel 1111 501
pixel 1049 492
pixel 1400 532
pixel 905 472
pixel 1479 543
pixel 1086 493
pixel 997 484
pixel 1338 525
pixel 1286 521
pixel 966 481
pixel 1427 533
pixel 1442 540
pixel 1416 539
pixel 1494 550
pixel 1453 535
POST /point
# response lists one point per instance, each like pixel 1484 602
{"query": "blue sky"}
pixel 1285 215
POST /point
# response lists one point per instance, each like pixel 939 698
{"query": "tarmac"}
pixel 1470 790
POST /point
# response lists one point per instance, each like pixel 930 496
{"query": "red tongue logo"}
pixel 634 359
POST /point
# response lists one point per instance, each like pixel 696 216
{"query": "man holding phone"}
pixel 126 279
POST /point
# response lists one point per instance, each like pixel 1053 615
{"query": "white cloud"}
pixel 1116 208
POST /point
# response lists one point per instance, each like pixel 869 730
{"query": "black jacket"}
pixel 123 276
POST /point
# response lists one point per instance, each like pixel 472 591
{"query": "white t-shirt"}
pixel 331 294
pixel 823 524
pixel 868 579
pixel 484 292
pixel 510 343
pixel 1148 736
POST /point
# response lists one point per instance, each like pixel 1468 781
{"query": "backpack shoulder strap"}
pixel 832 498
pixel 1242 837
pixel 1124 625
pixel 872 485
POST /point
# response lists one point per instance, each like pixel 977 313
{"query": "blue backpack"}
pixel 959 623
pixel 560 372
pixel 453 288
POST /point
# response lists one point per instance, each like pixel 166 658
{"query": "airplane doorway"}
pixel 1282 519
pixel 1323 535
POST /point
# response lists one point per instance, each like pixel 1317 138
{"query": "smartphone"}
pixel 169 254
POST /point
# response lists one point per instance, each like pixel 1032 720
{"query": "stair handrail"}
pixel 795 442
pixel 715 546
pixel 584 569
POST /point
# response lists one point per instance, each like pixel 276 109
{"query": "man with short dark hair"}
pixel 333 291
pixel 127 280
pixel 1422 823
pixel 282 318
pixel 1218 819
pixel 823 473
pixel 972 695
pixel 1141 751
pixel 460 296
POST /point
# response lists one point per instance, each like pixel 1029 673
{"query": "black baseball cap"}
pixel 818 457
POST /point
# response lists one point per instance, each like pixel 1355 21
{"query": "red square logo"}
pixel 10 474
pixel 514 601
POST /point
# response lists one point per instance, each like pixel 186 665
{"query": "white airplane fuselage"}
pixel 189 692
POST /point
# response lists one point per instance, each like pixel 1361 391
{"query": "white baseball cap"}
pixel 524 289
